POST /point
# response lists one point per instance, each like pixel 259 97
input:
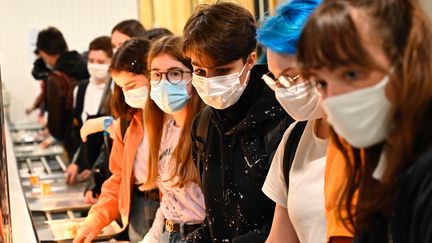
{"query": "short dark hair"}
pixel 51 41
pixel 223 32
pixel 157 33
pixel 130 27
pixel 102 43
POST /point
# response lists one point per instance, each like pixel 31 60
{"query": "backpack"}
pixel 291 148
pixel 64 130
pixel 202 122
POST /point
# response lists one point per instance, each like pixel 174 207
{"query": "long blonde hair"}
pixel 185 167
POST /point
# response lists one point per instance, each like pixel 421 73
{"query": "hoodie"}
pixel 69 69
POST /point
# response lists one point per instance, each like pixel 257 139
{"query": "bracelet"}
pixel 107 122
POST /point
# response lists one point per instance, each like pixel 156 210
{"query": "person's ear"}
pixel 251 60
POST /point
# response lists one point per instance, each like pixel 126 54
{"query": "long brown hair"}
pixel 330 39
pixel 185 168
pixel 131 57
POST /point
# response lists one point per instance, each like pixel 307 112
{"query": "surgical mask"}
pixel 222 91
pixel 169 97
pixel 361 117
pixel 98 71
pixel 300 101
pixel 137 97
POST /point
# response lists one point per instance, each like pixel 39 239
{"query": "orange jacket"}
pixel 335 176
pixel 115 198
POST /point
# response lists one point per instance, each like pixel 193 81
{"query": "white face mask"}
pixel 222 91
pixel 361 117
pixel 136 98
pixel 300 101
pixel 98 71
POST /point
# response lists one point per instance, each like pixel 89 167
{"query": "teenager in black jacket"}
pixel 68 67
pixel 372 63
pixel 236 136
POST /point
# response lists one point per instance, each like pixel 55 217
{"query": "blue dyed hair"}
pixel 280 33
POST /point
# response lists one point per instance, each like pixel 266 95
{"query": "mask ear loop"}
pixel 241 73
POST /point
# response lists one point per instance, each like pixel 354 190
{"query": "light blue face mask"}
pixel 169 97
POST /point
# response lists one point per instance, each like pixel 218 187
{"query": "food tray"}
pixel 54 230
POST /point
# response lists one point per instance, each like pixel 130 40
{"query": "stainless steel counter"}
pixel 22 227
pixel 36 214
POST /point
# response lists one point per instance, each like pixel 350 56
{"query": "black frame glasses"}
pixel 174 76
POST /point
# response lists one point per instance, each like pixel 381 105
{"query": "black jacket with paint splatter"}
pixel 234 158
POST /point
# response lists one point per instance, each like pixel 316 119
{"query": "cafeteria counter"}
pixel 43 207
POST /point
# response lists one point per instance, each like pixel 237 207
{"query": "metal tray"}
pixel 52 203
pixel 34 150
pixel 63 197
pixel 24 126
pixel 20 137
pixel 54 231
pixel 58 186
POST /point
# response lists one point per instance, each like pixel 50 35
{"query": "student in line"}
pixel 297 171
pixel 124 194
pixel 236 136
pixel 67 69
pixel 280 35
pixel 171 165
pixel 125 30
pixel 371 61
pixel 91 99
pixel 96 125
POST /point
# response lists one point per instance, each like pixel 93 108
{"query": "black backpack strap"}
pixel 291 148
pixel 105 94
pixel 202 124
pixel 79 102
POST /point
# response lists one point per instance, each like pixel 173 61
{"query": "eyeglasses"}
pixel 286 81
pixel 174 76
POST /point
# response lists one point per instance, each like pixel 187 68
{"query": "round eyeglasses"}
pixel 174 76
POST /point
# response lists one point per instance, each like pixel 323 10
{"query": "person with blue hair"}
pixel 295 181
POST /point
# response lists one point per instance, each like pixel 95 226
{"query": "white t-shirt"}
pixel 140 166
pixel 305 200
pixel 92 98
pixel 182 205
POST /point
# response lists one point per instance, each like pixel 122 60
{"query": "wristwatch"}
pixel 107 122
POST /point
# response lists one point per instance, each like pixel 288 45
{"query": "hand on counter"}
pixel 88 197
pixel 71 174
pixel 47 142
pixel 85 235
pixel 84 175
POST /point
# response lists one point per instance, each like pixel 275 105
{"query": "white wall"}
pixel 79 20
